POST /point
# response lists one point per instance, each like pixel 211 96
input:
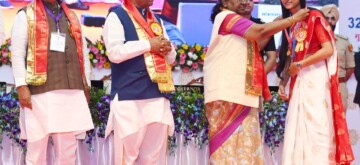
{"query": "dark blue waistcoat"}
pixel 130 79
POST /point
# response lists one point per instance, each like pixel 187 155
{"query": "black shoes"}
pixel 92 21
pixel 78 6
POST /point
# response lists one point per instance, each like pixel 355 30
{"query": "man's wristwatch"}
pixel 298 65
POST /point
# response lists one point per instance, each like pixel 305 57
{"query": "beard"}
pixel 333 27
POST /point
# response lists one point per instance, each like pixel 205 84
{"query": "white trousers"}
pixel 146 147
pixel 65 145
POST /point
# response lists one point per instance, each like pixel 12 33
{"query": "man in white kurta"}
pixel 140 119
pixel 55 109
pixel 2 28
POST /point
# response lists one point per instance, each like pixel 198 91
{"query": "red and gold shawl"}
pixel 38 38
pixel 157 67
pixel 344 154
pixel 256 81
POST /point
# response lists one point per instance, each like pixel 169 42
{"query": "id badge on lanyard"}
pixel 57 39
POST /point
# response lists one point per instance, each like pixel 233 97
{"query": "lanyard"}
pixel 291 40
pixel 55 18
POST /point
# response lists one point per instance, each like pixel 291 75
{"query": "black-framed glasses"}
pixel 245 1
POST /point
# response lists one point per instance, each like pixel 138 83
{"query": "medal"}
pixel 300 36
pixel 156 28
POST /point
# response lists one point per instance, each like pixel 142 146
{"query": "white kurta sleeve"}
pixel 2 28
pixel 19 41
pixel 172 54
pixel 118 48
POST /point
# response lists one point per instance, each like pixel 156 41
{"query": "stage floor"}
pixel 92 33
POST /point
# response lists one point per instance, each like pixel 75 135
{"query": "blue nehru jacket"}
pixel 130 79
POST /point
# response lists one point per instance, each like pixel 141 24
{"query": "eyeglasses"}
pixel 245 1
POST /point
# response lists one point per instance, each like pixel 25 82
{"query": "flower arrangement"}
pixel 187 106
pixel 9 118
pixel 272 121
pixel 5 54
pixel 99 109
pixel 98 54
pixel 189 58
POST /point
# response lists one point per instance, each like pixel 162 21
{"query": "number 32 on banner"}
pixel 354 22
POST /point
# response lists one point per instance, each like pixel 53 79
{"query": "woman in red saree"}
pixel 234 80
pixel 316 130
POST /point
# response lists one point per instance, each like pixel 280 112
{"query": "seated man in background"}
pixel 170 8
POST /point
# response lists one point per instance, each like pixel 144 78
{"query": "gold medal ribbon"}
pixel 300 36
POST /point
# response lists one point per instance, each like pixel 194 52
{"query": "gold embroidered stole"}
pixel 163 79
pixel 38 35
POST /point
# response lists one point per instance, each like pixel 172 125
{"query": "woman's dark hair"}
pixel 284 43
pixel 216 10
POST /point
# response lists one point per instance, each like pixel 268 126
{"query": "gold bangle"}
pixel 293 20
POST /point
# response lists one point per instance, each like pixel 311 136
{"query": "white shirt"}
pixel 19 35
pixel 2 29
